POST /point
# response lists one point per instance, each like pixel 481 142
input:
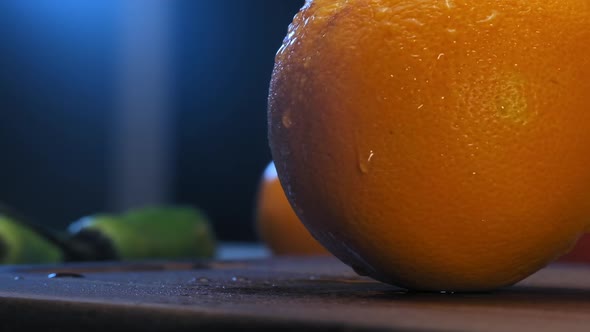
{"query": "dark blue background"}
pixel 58 85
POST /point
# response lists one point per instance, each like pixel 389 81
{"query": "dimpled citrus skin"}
pixel 277 225
pixel 437 144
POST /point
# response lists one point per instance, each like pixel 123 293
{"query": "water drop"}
pixel 415 21
pixel 489 18
pixel 307 62
pixel 239 279
pixel 18 278
pixel 364 168
pixel 364 163
pixel 287 122
pixel 64 275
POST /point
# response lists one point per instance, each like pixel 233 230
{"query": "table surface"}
pixel 314 293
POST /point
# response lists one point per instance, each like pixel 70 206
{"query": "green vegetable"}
pixel 20 244
pixel 148 233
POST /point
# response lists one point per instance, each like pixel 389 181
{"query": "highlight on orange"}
pixel 437 144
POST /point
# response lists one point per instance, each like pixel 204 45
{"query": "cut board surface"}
pixel 289 293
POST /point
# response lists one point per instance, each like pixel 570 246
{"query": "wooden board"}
pixel 318 294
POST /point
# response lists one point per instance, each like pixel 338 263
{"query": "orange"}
pixel 277 225
pixel 437 145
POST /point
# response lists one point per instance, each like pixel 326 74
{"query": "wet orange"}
pixel 277 225
pixel 437 144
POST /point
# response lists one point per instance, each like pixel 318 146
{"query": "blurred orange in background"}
pixel 580 253
pixel 277 224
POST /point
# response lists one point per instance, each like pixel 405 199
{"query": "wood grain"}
pixel 318 294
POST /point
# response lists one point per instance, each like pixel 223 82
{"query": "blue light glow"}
pixel 69 10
